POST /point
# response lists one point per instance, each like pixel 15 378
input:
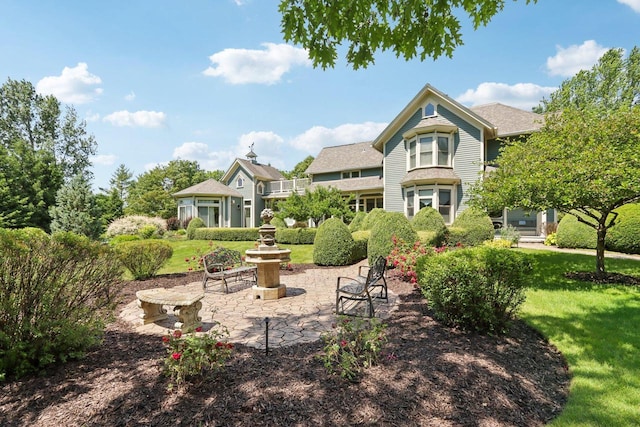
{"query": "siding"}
pixel 395 165
pixel 371 172
pixel 327 177
pixel 467 155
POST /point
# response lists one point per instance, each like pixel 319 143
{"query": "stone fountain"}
pixel 268 257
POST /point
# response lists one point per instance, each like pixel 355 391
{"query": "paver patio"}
pixel 302 316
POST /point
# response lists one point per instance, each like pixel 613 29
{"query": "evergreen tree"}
pixel 76 209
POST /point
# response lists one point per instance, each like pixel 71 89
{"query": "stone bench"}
pixel 186 305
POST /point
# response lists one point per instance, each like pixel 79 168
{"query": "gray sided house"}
pixel 211 201
pixel 435 148
pixel 353 169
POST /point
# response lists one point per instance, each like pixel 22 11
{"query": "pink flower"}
pixel 343 343
pixel 177 333
pixel 166 339
pixel 176 356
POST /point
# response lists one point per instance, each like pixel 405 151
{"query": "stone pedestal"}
pixel 267 260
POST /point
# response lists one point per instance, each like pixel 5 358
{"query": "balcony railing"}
pixel 287 186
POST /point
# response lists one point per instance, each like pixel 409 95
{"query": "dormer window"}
pixel 239 182
pixel 260 188
pixel 350 174
pixel 429 110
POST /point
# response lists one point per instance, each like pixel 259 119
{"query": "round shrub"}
pixel 478 289
pixel 145 257
pixel 56 293
pixel 360 243
pixel 133 224
pixel 381 238
pixel 429 219
pixel 356 222
pixel 574 234
pixel 624 236
pixel 278 222
pixel 194 224
pixel 333 244
pixel 471 228
pixel 371 218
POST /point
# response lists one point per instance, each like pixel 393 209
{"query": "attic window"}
pixel 239 182
pixel 260 188
pixel 429 110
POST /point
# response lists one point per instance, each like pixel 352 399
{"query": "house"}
pixel 429 155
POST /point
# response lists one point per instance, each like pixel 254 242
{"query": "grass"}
pixel 594 326
pixel 596 329
pixel 186 249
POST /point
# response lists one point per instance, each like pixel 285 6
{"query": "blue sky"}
pixel 204 79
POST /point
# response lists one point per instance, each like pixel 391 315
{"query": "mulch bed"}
pixel 433 376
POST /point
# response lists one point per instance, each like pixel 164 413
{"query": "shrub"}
pixel 354 345
pixel 173 223
pixel 124 238
pixel 278 222
pixel 574 234
pixel 403 258
pixel 144 258
pixel 478 289
pixel 360 242
pixel 498 243
pixel 624 236
pixel 428 238
pixel 194 224
pixel 551 240
pixel 56 293
pixel 132 224
pixel 510 234
pixel 333 244
pixel 371 218
pixel 356 222
pixel 307 236
pixel 471 228
pixel 226 234
pixel 381 238
pixel 429 219
pixel 195 354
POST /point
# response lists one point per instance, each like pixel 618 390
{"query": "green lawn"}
pixel 596 327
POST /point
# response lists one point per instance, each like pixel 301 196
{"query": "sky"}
pixel 203 80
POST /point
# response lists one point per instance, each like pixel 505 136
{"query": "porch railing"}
pixel 285 186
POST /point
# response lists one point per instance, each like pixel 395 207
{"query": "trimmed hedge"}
pixel 145 257
pixel 388 225
pixel 333 244
pixel 237 234
pixel 278 222
pixel 360 243
pixel 429 238
pixel 471 228
pixel 625 235
pixel 429 219
pixel 296 236
pixel 478 289
pixel 574 234
pixel 193 226
pixel 356 222
pixel 371 218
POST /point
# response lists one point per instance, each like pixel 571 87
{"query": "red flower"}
pixel 177 333
pixel 343 343
pixel 199 329
pixel 220 344
pixel 166 339
pixel 229 346
pixel 176 356
pixel 186 260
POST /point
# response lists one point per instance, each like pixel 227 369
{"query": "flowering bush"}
pixel 195 354
pixel 354 344
pixel 403 258
pixel 134 224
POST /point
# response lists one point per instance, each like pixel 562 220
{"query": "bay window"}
pixel 432 149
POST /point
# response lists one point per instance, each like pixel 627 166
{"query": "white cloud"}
pixel 130 96
pixel 147 119
pixel 74 86
pixel 312 140
pixel 567 62
pixel 519 95
pixel 103 159
pixel 633 4
pixel 92 117
pixel 242 66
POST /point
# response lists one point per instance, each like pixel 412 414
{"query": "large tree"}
pixel 40 149
pixel 317 204
pixel 299 170
pixel 151 193
pixel 76 209
pixel 409 28
pixel 586 158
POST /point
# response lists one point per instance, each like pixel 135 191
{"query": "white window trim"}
pixel 434 149
pixel 239 182
pixel 350 174
pixel 435 198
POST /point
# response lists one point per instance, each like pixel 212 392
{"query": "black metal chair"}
pixel 360 288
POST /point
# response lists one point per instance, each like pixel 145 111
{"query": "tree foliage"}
pixel 76 209
pixel 322 202
pixel 40 148
pixel 409 28
pixel 586 158
pixel 299 170
pixel 151 193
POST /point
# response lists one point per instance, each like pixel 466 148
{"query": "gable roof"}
pixel 338 158
pixel 416 103
pixel 510 121
pixel 256 170
pixel 210 187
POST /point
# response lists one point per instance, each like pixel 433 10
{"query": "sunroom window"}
pixel 436 196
